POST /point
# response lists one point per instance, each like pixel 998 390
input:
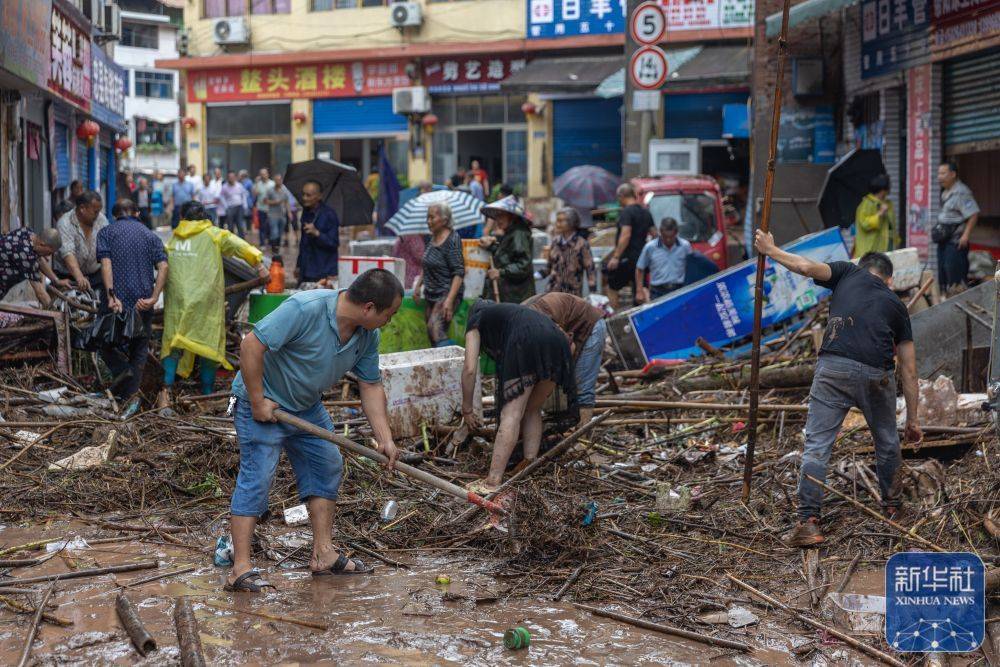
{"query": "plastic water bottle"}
pixel 389 511
pixel 223 552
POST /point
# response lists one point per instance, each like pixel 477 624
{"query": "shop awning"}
pixel 700 66
pixel 810 9
pixel 563 75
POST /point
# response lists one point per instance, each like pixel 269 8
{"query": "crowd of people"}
pixel 538 342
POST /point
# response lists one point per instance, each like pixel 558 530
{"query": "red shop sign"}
pixel 346 79
pixel 470 74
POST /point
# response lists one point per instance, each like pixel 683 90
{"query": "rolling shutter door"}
pixel 697 116
pixel 361 116
pixel 972 99
pixel 61 142
pixel 587 131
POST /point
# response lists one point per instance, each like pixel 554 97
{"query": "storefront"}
pixel 475 120
pixel 24 73
pixel 966 41
pixel 351 130
pixel 258 117
pixel 880 50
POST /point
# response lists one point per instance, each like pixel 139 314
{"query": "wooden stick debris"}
pixel 569 582
pixel 666 629
pixel 187 634
pixel 129 617
pixel 691 405
pixel 271 617
pixel 157 577
pixel 906 532
pixel 846 638
pixel 765 224
pixel 33 629
pixel 92 572
pixel 25 609
pixel 376 555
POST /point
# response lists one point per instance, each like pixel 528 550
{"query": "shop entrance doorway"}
pixel 486 146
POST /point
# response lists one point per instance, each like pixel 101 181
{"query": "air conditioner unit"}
pixel 93 10
pixel 231 30
pixel 113 20
pixel 404 14
pixel 413 99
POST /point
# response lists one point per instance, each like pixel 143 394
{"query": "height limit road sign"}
pixel 648 23
pixel 648 68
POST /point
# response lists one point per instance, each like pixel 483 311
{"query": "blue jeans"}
pixel 588 366
pixel 838 385
pixel 264 226
pixel 276 225
pixel 317 463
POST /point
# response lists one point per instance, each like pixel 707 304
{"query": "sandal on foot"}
pixel 248 582
pixel 480 488
pixel 339 567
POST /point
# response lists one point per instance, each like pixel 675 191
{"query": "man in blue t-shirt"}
pixel 293 355
pixel 868 327
pixel 134 271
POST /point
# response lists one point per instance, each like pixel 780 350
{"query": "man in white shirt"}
pixel 208 193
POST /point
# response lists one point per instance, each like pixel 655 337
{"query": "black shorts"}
pixel 623 276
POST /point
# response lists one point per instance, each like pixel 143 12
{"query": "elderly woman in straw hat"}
pixel 511 272
pixel 442 273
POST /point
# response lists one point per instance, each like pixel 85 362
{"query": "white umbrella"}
pixel 411 218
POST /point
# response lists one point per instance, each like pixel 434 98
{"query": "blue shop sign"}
pixel 108 82
pixel 935 602
pixel 893 35
pixel 566 18
pixel 720 307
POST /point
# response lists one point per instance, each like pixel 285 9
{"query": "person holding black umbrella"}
pixel 319 249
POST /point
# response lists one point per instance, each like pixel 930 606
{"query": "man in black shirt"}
pixel 855 369
pixel 634 223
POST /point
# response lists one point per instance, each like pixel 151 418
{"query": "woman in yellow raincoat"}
pixel 194 323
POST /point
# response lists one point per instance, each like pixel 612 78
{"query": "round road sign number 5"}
pixel 648 23
pixel 648 67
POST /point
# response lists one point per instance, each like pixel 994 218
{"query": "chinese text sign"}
pixel 893 35
pixel 935 602
pixel 918 159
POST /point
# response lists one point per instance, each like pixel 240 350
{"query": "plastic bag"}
pixel 110 329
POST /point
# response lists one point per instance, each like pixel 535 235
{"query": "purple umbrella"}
pixel 586 186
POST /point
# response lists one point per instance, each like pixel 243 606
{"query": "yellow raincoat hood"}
pixel 194 298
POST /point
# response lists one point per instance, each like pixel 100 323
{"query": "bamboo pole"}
pixel 33 629
pixel 187 634
pixel 846 638
pixel 666 629
pixel 765 224
pixel 137 632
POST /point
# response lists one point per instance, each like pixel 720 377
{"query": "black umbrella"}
pixel 343 190
pixel 846 185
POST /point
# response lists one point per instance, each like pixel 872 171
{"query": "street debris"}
pixel 634 517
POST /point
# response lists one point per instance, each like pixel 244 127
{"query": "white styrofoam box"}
pixel 351 266
pixel 906 268
pixel 477 262
pixel 424 386
pixel 373 247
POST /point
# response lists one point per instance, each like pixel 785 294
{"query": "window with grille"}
pixel 140 35
pixel 154 84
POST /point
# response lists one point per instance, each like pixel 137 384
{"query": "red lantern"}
pixel 190 122
pixel 429 121
pixel 299 117
pixel 529 109
pixel 88 131
pixel 123 144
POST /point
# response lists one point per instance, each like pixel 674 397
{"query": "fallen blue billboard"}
pixel 720 308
